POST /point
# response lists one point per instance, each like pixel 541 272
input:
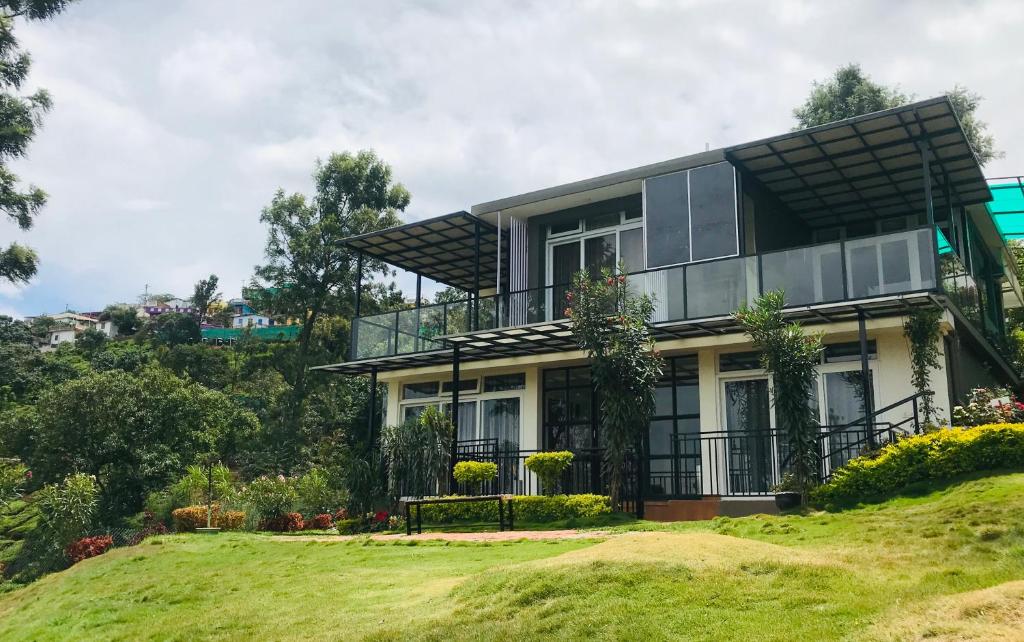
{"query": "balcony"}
pixel 899 263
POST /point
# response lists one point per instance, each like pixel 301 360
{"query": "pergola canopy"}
pixel 1007 206
pixel 868 167
pixel 443 249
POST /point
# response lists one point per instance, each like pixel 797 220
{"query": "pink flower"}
pixel 610 280
pixel 622 278
pixel 28 474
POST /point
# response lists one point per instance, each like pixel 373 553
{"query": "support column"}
pixel 353 349
pixel 455 414
pixel 926 170
pixel 865 374
pixel 371 415
pixel 419 297
pixel 476 275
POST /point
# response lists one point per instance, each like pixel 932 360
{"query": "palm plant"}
pixel 417 454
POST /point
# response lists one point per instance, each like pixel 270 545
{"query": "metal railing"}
pixel 889 264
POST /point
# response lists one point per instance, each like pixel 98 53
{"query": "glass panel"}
pixel 499 383
pixel 419 390
pixel 457 317
pixel 844 403
pixel 564 227
pixel 718 288
pixel 465 385
pixel 713 212
pixel 565 263
pixel 863 271
pixel 661 437
pixel 599 254
pixel 602 221
pixel 632 250
pixel 735 361
pixel 501 422
pixel 748 423
pixel 663 399
pixel 467 419
pixel 667 213
pixel 896 265
pixel 412 413
pixel 375 335
pixel 841 352
pixel 806 275
pixel 431 324
pixel 408 331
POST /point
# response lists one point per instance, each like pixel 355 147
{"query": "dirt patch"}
pixel 995 613
pixel 501 536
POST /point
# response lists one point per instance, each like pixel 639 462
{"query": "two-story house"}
pixel 860 222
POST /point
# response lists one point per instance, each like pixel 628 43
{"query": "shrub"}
pixel 66 510
pixel 475 473
pixel 269 498
pixel 989 406
pixel 939 455
pixel 231 520
pixel 87 547
pixel 319 522
pixel 549 468
pixel 13 476
pixel 315 494
pixel 341 514
pixel 525 508
pixel 417 454
pixel 349 526
pixel 286 523
pixel 193 487
pixel 192 517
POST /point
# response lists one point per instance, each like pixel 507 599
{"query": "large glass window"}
pixel 691 215
pixel 569 404
pixel 674 443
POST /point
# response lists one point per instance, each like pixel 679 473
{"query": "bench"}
pixel 420 502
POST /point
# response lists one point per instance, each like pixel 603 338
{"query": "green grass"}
pixel 945 564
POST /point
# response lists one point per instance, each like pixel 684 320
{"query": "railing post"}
pixel 454 414
pixel 917 422
pixel 865 373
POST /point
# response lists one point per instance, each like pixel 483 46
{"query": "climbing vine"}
pixel 921 328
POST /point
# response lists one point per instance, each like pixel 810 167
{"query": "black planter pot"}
pixel 787 500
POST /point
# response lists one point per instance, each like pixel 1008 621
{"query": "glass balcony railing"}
pixel 889 264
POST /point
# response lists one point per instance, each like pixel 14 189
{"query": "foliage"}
pixel 190 518
pixel 316 493
pixel 135 434
pixel 66 513
pixel 203 295
pixel 940 455
pixel 417 454
pixel 193 487
pixel 790 484
pixel 921 327
pixel 20 118
pixel 174 328
pixel 231 520
pixel 475 473
pixel 549 466
pixel 269 497
pixel 88 547
pixel 989 406
pixel 13 475
pixel 284 523
pixel 309 272
pixel 611 325
pixel 850 92
pixel 534 509
pixel 320 522
pixel 125 317
pixel 791 357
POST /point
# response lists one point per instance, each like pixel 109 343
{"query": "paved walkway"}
pixel 497 536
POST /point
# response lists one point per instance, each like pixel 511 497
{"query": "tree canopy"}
pixel 204 293
pixel 850 92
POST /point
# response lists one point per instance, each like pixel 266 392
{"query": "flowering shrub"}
pixel 283 523
pixel 939 455
pixel 341 514
pixel 320 522
pixel 989 406
pixel 88 547
pixel 315 494
pixel 370 523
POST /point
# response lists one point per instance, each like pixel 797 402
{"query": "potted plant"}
pixel 788 492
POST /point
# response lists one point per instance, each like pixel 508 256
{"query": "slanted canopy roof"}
pixel 441 248
pixel 869 166
pixel 1007 206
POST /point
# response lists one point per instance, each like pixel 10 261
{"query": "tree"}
pixel 612 326
pixel 125 317
pixel 204 293
pixel 14 331
pixel 791 358
pixel 175 328
pixel 91 340
pixel 20 118
pixel 309 272
pixel 850 92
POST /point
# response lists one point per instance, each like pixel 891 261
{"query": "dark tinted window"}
pixel 739 361
pixel 505 382
pixel 465 385
pixel 668 220
pixel 838 352
pixel 713 211
pixel 419 390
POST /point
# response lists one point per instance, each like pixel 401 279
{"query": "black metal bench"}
pixel 503 502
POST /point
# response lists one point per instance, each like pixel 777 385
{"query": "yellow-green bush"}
pixel 190 518
pixel 475 472
pixel 526 508
pixel 940 455
pixel 549 466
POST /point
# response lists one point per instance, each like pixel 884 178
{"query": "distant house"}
pixel 67 326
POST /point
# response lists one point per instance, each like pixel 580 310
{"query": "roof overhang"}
pixel 443 249
pixel 868 167
pixel 557 336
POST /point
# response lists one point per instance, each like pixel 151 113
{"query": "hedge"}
pixel 192 517
pixel 935 456
pixel 526 508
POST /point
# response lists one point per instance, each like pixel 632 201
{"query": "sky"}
pixel 175 122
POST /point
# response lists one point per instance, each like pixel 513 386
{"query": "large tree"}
pixel 850 92
pixel 20 118
pixel 204 293
pixel 309 273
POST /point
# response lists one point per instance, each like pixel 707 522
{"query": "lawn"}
pixel 948 564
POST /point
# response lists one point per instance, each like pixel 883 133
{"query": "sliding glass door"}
pixel 748 423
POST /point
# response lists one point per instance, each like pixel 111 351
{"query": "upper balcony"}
pixel 877 213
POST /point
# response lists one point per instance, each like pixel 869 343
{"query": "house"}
pixel 860 222
pixel 67 326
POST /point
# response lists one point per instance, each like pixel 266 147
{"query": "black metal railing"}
pixel 811 275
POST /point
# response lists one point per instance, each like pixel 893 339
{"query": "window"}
pixel 674 441
pixel 422 390
pixel 569 403
pixel 465 385
pixel 566 227
pixel 499 383
pixel 735 361
pixel 691 215
pixel 488 420
pixel 843 352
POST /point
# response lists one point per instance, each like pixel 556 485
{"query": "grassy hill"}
pixel 945 565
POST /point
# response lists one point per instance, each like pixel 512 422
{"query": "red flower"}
pixel 610 280
pixel 381 516
pixel 28 474
pixel 1019 405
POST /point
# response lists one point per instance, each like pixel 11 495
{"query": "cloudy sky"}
pixel 176 121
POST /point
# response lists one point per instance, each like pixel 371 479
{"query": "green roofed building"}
pixel 227 336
